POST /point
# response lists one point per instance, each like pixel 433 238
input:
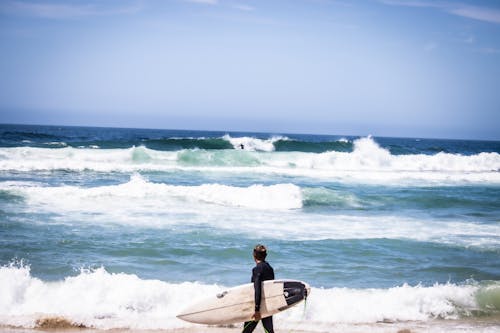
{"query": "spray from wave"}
pixel 254 144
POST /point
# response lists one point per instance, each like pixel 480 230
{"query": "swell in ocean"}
pixel 30 138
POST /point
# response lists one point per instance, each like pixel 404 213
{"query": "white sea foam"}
pixel 94 298
pixel 56 143
pixel 257 211
pixel 97 298
pixel 368 163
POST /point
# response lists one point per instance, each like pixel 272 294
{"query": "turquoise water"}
pixel 406 229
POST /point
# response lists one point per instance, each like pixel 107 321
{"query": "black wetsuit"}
pixel 261 272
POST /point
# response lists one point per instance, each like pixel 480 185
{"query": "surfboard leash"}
pixel 304 310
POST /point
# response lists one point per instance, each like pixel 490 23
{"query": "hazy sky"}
pixel 380 67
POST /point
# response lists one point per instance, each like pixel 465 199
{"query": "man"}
pixel 261 272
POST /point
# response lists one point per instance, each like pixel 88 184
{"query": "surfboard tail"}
pixel 295 291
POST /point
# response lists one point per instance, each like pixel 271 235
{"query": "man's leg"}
pixel 249 326
pixel 268 324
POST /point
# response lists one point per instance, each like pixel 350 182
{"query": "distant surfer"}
pixel 242 146
pixel 261 272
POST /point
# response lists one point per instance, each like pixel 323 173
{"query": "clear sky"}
pixel 380 67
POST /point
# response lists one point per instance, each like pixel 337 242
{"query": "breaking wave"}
pixel 103 300
pixel 368 162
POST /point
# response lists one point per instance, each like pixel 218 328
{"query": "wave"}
pixel 99 299
pixel 32 139
pixel 279 211
pixel 368 163
pixel 173 140
pixel 281 196
pixel 157 195
pixel 273 143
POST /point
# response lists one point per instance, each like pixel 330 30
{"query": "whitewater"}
pixel 125 301
pixel 121 228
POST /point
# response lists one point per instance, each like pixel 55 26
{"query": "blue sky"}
pixel 380 67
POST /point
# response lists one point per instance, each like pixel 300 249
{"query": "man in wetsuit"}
pixel 261 272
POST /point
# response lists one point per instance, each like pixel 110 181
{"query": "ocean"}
pixel 122 228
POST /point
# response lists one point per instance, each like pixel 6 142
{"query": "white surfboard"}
pixel 237 304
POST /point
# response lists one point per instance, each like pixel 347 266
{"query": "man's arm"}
pixel 257 284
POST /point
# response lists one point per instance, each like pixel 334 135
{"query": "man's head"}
pixel 259 252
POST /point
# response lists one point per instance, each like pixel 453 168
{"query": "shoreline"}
pixel 476 325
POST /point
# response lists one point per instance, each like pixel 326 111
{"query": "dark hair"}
pixel 259 252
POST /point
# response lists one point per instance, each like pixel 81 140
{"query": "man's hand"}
pixel 256 316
